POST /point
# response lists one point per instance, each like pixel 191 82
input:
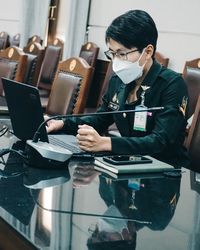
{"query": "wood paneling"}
pixel 11 239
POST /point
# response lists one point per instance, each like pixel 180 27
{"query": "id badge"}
pixel 134 184
pixel 140 119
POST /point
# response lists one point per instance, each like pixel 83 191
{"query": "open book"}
pixel 154 166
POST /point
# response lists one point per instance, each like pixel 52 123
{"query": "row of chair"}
pixel 5 40
pixel 70 86
pixel 50 59
pixel 42 64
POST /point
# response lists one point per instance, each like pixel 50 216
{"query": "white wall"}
pixel 10 12
pixel 177 22
pixel 27 17
pixel 72 23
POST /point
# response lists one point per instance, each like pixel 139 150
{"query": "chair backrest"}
pixel 49 67
pixel 35 54
pixel 193 139
pixel 15 40
pixel 12 65
pixel 89 52
pixel 70 87
pixel 4 40
pixel 108 75
pixel 161 59
pixel 192 79
pixel 58 43
pixel 36 39
pixel 195 63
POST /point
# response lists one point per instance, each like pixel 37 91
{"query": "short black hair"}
pixel 134 28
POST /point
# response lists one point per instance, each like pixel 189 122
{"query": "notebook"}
pixel 26 115
pixel 124 169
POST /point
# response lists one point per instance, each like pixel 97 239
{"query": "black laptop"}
pixel 26 115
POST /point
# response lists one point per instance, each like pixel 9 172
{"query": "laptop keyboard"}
pixel 57 142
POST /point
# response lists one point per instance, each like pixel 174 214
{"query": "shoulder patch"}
pixel 169 75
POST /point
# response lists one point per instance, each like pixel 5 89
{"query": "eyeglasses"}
pixel 120 54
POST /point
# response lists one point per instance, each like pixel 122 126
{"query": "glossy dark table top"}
pixel 79 208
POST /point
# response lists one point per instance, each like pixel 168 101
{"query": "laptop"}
pixel 26 115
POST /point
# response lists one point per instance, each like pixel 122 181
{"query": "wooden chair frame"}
pixel 36 49
pixel 79 67
pixel 17 55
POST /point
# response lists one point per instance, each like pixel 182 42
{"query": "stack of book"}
pixel 114 169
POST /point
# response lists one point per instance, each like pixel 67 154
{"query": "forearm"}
pixel 105 144
pixel 98 122
pixel 138 145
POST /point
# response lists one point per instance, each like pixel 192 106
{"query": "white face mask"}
pixel 126 70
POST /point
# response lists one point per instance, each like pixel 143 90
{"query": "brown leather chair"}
pixel 35 54
pixel 49 67
pixel 108 75
pixel 58 43
pixel 70 87
pixel 36 39
pixel 4 40
pixel 195 63
pixel 15 40
pixel 12 65
pixel 89 52
pixel 193 139
pixel 102 74
pixel 192 79
pixel 112 130
pixel 161 59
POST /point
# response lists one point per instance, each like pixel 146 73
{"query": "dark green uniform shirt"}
pixel 165 129
pixel 155 201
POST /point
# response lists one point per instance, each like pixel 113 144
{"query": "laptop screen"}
pixel 25 109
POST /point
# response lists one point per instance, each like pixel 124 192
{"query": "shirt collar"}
pixel 152 74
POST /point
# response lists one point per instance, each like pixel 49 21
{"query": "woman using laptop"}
pixel 139 82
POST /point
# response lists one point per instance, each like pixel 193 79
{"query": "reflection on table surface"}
pixel 77 207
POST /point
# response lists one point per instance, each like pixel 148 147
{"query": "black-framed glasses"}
pixel 119 54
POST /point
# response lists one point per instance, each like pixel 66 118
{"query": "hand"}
pixel 84 175
pixel 53 125
pixel 90 140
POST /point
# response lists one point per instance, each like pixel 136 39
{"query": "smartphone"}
pixel 126 159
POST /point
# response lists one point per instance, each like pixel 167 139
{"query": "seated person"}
pixel 139 81
pixel 152 204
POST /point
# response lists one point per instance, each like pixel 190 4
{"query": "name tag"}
pixel 113 106
pixel 134 184
pixel 140 119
